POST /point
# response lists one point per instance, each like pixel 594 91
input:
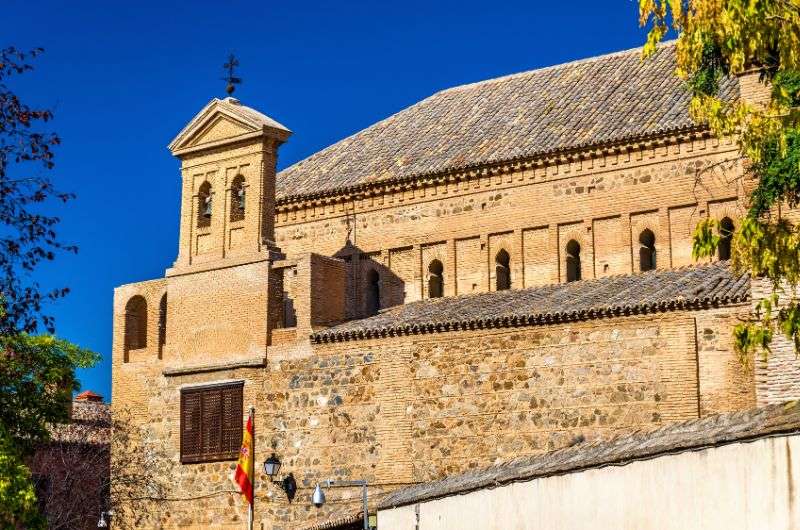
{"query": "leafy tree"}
pixel 719 38
pixel 27 235
pixel 18 507
pixel 37 377
pixel 37 373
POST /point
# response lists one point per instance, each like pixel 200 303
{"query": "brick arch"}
pixel 436 253
pixel 727 226
pixel 502 278
pixel 135 335
pixel 646 255
pixel 661 243
pixel 434 283
pixel 732 211
pixel 577 235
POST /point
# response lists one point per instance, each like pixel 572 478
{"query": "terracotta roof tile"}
pixel 610 98
pixel 662 290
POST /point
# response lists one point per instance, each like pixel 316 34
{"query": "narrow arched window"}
pixel 162 325
pixel 237 198
pixel 502 271
pixel 204 205
pixel 373 292
pixel 573 261
pixel 135 323
pixel 435 279
pixel 726 229
pixel 647 250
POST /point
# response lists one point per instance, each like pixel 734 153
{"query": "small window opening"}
pixel 502 271
pixel 237 199
pixel 373 292
pixel 162 325
pixel 289 313
pixel 573 261
pixel 435 279
pixel 726 229
pixel 647 251
pixel 204 205
pixel 135 324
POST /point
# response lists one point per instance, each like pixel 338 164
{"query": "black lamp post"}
pixel 288 484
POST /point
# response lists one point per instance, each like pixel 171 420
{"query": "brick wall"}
pixel 603 203
pixel 777 373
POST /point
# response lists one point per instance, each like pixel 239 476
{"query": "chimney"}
pixel 752 90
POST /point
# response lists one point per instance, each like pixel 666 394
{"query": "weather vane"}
pixel 230 78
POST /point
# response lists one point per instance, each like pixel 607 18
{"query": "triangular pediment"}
pixel 220 128
pixel 223 121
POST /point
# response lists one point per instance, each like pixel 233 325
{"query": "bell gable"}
pixel 225 121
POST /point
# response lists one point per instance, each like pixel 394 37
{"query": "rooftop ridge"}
pixel 575 62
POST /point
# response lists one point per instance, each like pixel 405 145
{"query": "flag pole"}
pixel 250 513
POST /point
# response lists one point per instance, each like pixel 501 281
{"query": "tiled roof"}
pixel 662 290
pixel 88 395
pixel 610 98
pixel 691 435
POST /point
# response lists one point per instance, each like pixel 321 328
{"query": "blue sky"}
pixel 124 78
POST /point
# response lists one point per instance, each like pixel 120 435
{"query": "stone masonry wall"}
pixel 406 409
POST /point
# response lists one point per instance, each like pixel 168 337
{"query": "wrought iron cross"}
pixel 230 78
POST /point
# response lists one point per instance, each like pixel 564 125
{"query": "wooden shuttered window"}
pixel 211 423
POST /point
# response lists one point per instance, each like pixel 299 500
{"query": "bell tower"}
pixel 228 155
pixel 220 287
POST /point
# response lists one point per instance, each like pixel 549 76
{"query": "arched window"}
pixel 573 261
pixel 726 229
pixel 647 250
pixel 162 325
pixel 435 279
pixel 135 323
pixel 373 292
pixel 502 271
pixel 204 205
pixel 237 198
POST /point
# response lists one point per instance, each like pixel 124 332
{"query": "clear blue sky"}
pixel 124 78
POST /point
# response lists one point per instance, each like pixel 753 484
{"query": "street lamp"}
pixel 289 485
pixel 318 497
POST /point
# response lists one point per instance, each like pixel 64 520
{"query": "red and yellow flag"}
pixel 244 469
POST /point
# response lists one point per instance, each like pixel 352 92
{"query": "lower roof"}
pixel 649 292
pixel 692 435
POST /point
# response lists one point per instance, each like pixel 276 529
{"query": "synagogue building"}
pixel 499 270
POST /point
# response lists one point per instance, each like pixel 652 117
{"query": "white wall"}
pixel 752 486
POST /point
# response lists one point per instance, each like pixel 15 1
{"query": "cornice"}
pixel 536 319
pixel 255 362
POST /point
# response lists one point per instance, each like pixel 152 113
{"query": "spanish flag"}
pixel 244 470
